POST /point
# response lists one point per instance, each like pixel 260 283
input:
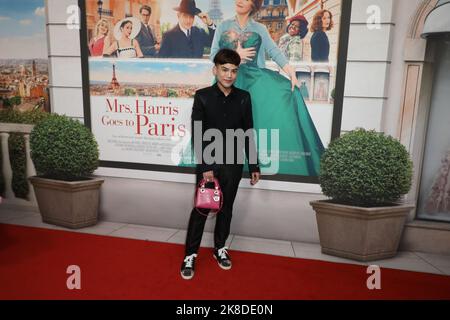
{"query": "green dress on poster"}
pixel 276 106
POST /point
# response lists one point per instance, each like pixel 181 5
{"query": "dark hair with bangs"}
pixel 225 56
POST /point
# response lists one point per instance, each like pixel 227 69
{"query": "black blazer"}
pixel 175 43
pixel 320 47
pixel 216 111
pixel 147 41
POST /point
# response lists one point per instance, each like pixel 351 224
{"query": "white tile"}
pixel 314 252
pixel 435 259
pixel 362 113
pixel 406 263
pixel 8 215
pixel 269 241
pixel 57 10
pixel 366 79
pixel 34 221
pixel 362 9
pixel 112 225
pixel 305 246
pixel 65 71
pixel 267 246
pixel 11 210
pixel 445 270
pixel 102 228
pixel 369 45
pixel 179 237
pixel 144 233
pixel 68 101
pixel 207 239
pixel 407 255
pixel 172 231
pixel 328 258
pixel 64 41
pixel 94 230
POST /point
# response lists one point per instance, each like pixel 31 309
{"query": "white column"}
pixel 31 171
pixel 7 171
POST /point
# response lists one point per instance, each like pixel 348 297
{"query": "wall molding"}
pixel 416 95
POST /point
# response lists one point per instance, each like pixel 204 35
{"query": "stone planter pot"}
pixel 363 234
pixel 71 204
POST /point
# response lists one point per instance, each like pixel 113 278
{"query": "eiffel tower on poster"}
pixel 114 83
pixel 215 12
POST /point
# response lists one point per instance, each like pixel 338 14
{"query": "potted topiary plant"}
pixel 365 173
pixel 65 154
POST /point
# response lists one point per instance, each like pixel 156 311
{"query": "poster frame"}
pixel 337 107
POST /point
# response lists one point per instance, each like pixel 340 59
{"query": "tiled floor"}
pixel 413 261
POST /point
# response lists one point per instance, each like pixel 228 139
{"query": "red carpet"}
pixel 33 265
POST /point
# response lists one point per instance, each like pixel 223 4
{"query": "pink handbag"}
pixel 207 198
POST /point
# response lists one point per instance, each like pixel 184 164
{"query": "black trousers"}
pixel 229 177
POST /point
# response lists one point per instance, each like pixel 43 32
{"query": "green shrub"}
pixel 365 168
pixel 27 117
pixel 18 161
pixel 63 148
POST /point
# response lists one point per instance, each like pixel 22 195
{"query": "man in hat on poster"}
pixel 186 40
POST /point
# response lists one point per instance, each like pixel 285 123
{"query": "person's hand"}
pixel 291 73
pixel 208 176
pixel 255 178
pixel 247 53
pixel 157 47
pixel 205 18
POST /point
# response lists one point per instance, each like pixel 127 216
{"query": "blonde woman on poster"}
pixel 277 102
pixel 101 39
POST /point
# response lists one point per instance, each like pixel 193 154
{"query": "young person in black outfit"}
pixel 221 107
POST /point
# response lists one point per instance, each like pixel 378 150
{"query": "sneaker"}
pixel 223 258
pixel 188 266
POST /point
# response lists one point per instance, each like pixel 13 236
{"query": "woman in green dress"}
pixel 277 102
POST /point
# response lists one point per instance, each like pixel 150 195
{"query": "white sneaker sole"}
pixel 224 268
pixel 186 277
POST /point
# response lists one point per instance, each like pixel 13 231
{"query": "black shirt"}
pixel 216 111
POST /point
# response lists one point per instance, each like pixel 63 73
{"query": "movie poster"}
pixel 148 57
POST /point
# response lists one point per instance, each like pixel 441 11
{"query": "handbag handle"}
pixel 203 182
